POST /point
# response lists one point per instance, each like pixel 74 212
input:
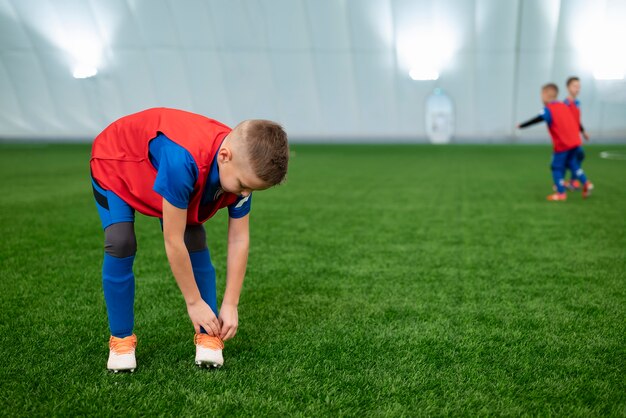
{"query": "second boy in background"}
pixel 573 89
pixel 566 142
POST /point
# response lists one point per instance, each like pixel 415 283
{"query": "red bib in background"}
pixel 120 160
pixel 564 128
pixel 575 111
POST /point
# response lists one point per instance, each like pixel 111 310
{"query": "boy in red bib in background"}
pixel 181 168
pixel 566 142
pixel 573 88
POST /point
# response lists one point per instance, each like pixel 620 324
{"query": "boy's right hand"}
pixel 202 315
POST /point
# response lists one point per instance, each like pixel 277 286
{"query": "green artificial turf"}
pixel 383 280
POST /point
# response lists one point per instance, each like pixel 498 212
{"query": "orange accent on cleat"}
pixel 572 185
pixel 587 188
pixel 124 345
pixel 557 197
pixel 207 341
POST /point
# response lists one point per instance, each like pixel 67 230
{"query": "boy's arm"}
pixel 238 244
pixel 582 131
pixel 530 122
pixel 174 224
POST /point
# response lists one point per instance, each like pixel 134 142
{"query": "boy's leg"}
pixel 574 165
pixel 580 155
pixel 558 170
pixel 208 348
pixel 203 270
pixel 118 280
pixel 120 246
pixel 573 162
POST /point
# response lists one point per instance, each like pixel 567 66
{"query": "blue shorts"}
pixel 111 208
pixel 580 154
pixel 565 159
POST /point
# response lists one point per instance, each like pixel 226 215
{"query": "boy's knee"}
pixel 120 240
pixel 195 238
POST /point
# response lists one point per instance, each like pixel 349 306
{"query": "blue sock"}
pixel 204 273
pixel 580 174
pixel 577 170
pixel 557 177
pixel 118 283
pixel 560 161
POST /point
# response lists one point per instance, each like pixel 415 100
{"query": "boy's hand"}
pixel 586 136
pixel 229 321
pixel 202 315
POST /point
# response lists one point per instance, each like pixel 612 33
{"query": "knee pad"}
pixel 195 238
pixel 120 240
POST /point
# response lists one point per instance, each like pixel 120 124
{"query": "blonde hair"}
pixel 267 149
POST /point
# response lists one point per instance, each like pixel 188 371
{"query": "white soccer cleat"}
pixel 208 351
pixel 122 354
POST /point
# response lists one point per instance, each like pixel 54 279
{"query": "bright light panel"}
pixel 424 53
pixel 84 71
pixel 608 74
pixel 599 37
pixel 78 36
pixel 423 74
pixel 609 62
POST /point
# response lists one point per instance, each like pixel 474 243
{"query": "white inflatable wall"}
pixel 333 70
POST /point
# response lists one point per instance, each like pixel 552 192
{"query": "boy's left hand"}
pixel 229 321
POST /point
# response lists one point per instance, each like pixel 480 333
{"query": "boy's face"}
pixel 236 175
pixel 574 88
pixel 548 95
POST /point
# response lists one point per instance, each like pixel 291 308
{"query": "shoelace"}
pixel 124 345
pixel 207 341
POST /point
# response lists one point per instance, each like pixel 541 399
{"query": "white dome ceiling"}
pixel 326 69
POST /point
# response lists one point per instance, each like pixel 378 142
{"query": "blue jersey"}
pixel 177 174
pixel 568 102
pixel 546 115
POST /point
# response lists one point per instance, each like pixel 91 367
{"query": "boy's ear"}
pixel 225 154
